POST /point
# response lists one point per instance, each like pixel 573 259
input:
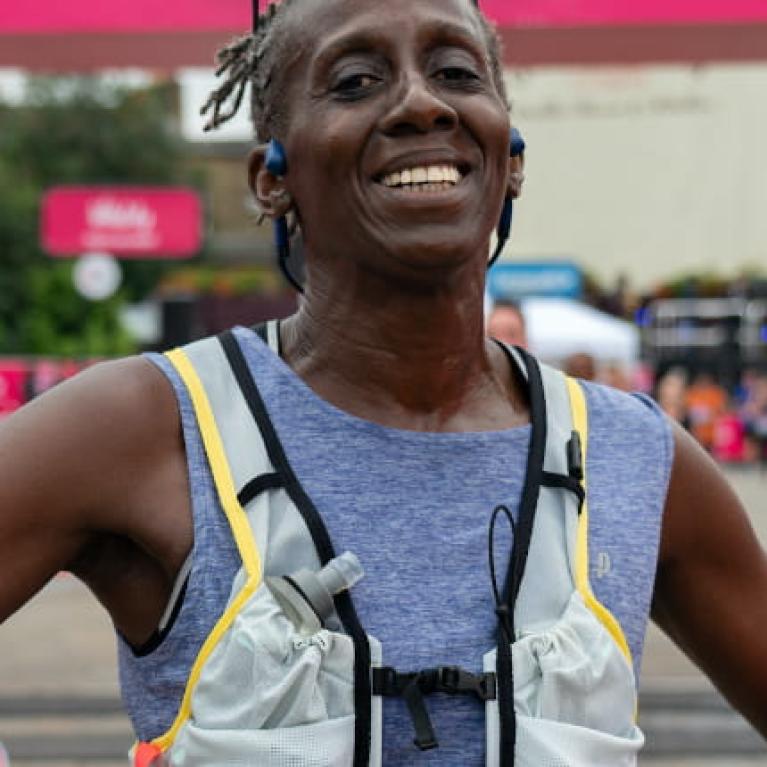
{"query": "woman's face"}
pixel 382 97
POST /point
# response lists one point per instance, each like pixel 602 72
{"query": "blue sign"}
pixel 537 279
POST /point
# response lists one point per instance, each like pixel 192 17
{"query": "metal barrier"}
pixel 723 335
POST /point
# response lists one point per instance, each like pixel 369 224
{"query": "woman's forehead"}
pixel 351 5
pixel 327 24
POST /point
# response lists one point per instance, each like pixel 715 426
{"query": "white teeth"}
pixel 435 175
pixel 431 177
pixel 441 186
pixel 393 179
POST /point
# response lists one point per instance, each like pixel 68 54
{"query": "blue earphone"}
pixel 276 162
pixel 517 147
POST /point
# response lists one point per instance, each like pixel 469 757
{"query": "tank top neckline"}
pixel 253 342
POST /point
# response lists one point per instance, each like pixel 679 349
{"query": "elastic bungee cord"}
pixel 504 663
pixel 505 616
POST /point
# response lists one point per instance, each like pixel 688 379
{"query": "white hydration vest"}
pixel 260 693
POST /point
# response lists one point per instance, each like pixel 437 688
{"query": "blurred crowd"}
pixel 731 425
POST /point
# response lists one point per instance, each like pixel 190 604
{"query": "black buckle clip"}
pixel 412 686
pixel 575 456
pixel 457 681
pixel 386 681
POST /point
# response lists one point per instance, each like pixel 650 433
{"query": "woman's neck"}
pixel 414 359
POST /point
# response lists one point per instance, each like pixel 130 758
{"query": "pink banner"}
pixel 24 379
pixel 139 222
pixel 574 13
pixel 13 375
pixel 134 16
pixel 55 16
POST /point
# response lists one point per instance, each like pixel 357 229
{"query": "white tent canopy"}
pixel 559 327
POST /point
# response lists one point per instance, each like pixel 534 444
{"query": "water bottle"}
pixel 306 597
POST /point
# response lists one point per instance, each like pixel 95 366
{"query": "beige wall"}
pixel 647 171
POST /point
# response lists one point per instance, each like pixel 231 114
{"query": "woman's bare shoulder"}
pixel 91 457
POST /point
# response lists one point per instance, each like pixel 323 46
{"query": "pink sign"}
pixel 566 13
pixel 13 375
pixel 138 222
pixel 101 16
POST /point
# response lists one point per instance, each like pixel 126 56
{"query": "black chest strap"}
pixel 413 686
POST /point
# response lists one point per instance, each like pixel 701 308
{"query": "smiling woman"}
pixel 204 495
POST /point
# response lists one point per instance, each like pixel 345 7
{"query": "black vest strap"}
pixel 257 485
pixel 533 479
pixel 260 331
pixel 522 536
pixel 549 479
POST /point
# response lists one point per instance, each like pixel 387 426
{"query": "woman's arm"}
pixel 711 588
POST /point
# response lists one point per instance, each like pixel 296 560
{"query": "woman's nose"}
pixel 417 108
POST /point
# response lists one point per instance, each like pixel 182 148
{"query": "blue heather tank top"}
pixel 415 508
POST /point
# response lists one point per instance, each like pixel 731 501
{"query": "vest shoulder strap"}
pixel 233 418
pixel 550 574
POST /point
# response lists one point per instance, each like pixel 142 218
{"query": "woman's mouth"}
pixel 424 178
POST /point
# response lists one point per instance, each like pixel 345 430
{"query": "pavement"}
pixel 59 704
pixel 686 721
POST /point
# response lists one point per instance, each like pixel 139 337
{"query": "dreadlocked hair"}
pixel 252 60
pixel 248 60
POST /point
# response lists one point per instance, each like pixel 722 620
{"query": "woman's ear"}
pixel 269 191
pixel 516 175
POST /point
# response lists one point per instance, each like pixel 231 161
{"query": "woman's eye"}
pixel 457 75
pixel 355 85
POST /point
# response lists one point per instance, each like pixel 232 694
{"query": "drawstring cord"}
pixel 504 663
pixel 505 615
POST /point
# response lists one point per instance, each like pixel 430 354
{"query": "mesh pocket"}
pixel 326 744
pixel 543 743
pixel 267 696
pixel 262 675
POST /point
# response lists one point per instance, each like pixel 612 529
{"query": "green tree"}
pixel 74 131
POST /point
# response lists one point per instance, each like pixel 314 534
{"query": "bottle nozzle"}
pixel 341 573
pixel 307 597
